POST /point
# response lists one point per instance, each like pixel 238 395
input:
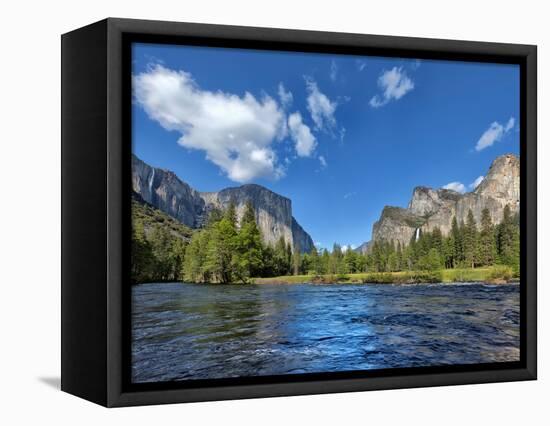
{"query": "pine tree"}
pixel 296 261
pixel 369 262
pixel 306 264
pixel 177 257
pixel 325 262
pixel 487 243
pixel 247 260
pixel 430 261
pixel 221 249
pixel 269 268
pixel 231 214
pixel 214 216
pixel 393 262
pixel 423 244
pixel 516 244
pixel 191 265
pixel 412 253
pixel 249 215
pixel 399 255
pixel 456 235
pixel 508 239
pixel 336 264
pixel 282 264
pixel 470 240
pixel 351 259
pixel 315 261
pixel 437 241
pixel 448 251
pixel 361 263
pixel 195 255
pixel 375 257
pixel 161 245
pixel 288 258
pixel 142 255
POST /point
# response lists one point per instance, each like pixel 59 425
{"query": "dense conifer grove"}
pixel 229 251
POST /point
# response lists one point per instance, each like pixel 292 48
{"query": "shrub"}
pixel 426 277
pixel 377 278
pixel 414 277
pixel 457 275
pixel 500 272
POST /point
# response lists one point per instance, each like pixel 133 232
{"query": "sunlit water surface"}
pixel 190 331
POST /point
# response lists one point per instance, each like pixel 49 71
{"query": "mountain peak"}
pixel 165 191
pixel 430 208
pixel 502 178
pixel 503 163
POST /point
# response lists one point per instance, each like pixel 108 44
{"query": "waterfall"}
pixel 151 183
pixel 417 234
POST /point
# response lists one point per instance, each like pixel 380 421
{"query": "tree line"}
pixel 466 246
pixel 221 252
pixel 225 251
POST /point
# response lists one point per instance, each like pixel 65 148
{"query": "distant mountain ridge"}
pixel 430 208
pixel 166 192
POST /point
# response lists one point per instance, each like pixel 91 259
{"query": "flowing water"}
pixel 196 331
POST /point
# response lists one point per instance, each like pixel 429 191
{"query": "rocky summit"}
pixel 430 208
pixel 165 191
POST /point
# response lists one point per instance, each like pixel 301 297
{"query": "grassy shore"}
pixel 494 274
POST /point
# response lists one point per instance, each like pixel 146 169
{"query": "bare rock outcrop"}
pixel 430 208
pixel 165 191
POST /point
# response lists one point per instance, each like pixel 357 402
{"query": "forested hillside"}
pixel 158 244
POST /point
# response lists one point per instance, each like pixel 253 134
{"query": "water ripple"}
pixel 188 331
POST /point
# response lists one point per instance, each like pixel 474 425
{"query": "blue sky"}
pixel 341 136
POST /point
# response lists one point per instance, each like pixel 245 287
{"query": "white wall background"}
pixel 30 211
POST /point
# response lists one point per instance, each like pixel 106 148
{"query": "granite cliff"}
pixel 165 191
pixel 430 208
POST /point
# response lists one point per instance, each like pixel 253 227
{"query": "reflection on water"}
pixel 189 331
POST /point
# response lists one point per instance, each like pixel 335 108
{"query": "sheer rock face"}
pixel 397 222
pixel 164 190
pixel 430 208
pixel 273 212
pixel 301 238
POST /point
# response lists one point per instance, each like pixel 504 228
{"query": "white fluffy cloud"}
pixel 394 84
pixel 494 133
pixel 304 141
pixel 285 96
pixel 320 107
pixel 235 132
pixel 476 182
pixel 455 186
pixel 323 161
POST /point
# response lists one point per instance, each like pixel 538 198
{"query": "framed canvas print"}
pixel 252 212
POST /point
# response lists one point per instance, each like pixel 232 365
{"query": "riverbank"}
pixel 494 274
pixel 497 274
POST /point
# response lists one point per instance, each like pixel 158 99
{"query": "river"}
pixel 196 331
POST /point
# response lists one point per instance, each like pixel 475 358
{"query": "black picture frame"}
pixel 96 102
